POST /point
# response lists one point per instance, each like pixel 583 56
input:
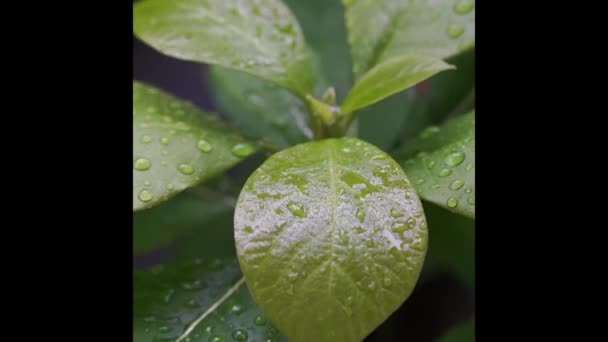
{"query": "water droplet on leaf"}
pixel 454 158
pixel 457 184
pixel 185 168
pixel 242 150
pixel 142 164
pixel 452 202
pixel 145 196
pixel 204 146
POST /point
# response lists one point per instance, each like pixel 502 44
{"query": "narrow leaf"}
pixel 443 170
pixel 199 296
pixel 383 29
pixel 331 238
pixel 260 37
pixel 176 146
pixel 390 77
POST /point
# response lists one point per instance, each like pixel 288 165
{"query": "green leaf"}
pixel 199 296
pixel 451 244
pixel 176 146
pixel 331 238
pixel 464 332
pixel 260 108
pixel 443 169
pixel 258 37
pixel 443 95
pixel 384 29
pixel 390 77
pixel 173 219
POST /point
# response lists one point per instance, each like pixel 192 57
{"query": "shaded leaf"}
pixel 331 238
pixel 204 280
pixel 384 29
pixel 260 108
pixel 176 146
pixel 260 37
pixel 186 212
pixel 390 77
pixel 443 171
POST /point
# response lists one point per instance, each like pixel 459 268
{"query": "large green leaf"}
pixel 384 29
pixel 390 77
pixel 463 332
pixel 443 169
pixel 331 238
pixel 260 37
pixel 186 212
pixel 199 296
pixel 176 146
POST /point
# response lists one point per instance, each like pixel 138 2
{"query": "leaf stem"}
pixel 212 308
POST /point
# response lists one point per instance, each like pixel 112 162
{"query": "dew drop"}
pixel 209 329
pixel 419 181
pixel 204 146
pixel 455 31
pixel 445 172
pixel 146 139
pixel 395 213
pixel 469 166
pixel 343 237
pixel 259 320
pixel 464 6
pixel 388 281
pixel 360 213
pixel 468 190
pixel 452 202
pixel 471 200
pixel 242 150
pixel 240 335
pixel 454 158
pixel 457 184
pixel 185 168
pixel 217 339
pixel 142 164
pixel 145 196
pixel 292 276
pixel 164 329
pixel 164 141
pixel 371 285
pixel 170 187
pixel 399 227
pixel 192 303
pixel 434 186
pixel 296 209
pixel 237 309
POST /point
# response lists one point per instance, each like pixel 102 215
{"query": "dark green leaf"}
pixel 464 332
pixel 331 238
pixel 443 171
pixel 260 37
pixel 176 146
pixel 260 108
pixel 171 220
pixel 390 77
pixel 383 29
pixel 199 296
pixel 451 244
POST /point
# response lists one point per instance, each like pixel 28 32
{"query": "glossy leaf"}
pixel 260 108
pixel 331 238
pixel 443 171
pixel 384 29
pixel 260 37
pixel 176 146
pixel 199 296
pixel 167 222
pixel 463 332
pixel 390 77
